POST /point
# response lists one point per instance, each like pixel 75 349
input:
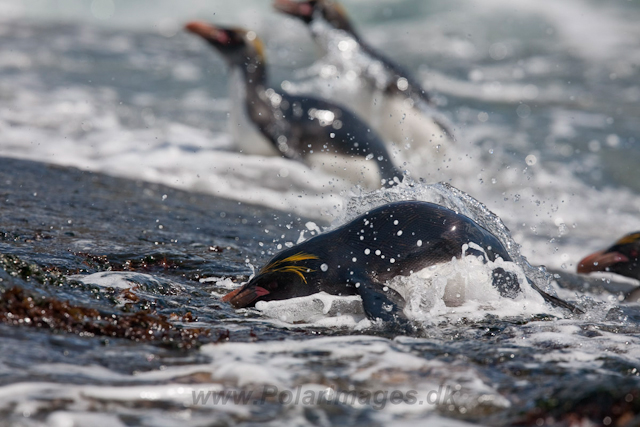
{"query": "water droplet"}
pixel 402 83
pixel 594 145
pixel 498 51
pixel 523 111
pixel 324 267
pixel 613 140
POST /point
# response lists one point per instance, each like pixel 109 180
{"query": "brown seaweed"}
pixel 18 307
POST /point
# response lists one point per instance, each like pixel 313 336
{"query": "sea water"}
pixel 544 98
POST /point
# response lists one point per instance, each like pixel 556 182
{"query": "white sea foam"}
pixel 364 362
pixel 369 363
pixel 320 309
pixel 113 279
pixel 136 282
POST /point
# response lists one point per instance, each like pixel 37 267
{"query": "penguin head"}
pixel 622 258
pixel 329 10
pixel 285 276
pixel 237 45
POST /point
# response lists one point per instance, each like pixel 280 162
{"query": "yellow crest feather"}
pixel 259 47
pixel 340 9
pixel 284 265
pixel 629 238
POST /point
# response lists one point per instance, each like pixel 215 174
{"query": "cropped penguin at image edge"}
pixel 357 258
pixel 622 258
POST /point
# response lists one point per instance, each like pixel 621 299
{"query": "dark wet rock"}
pixel 612 402
pixel 59 222
pixel 18 268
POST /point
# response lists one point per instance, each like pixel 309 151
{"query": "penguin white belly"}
pixel 415 138
pixel 356 96
pixel 411 136
pixel 244 132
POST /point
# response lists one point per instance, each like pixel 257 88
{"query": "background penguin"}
pixel 360 256
pixel 622 258
pixel 401 108
pixel 292 126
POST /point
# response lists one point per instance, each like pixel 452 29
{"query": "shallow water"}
pixel 89 239
pixel 544 98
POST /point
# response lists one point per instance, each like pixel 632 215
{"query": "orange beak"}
pixel 202 29
pixel 293 8
pixel 244 296
pixel 599 261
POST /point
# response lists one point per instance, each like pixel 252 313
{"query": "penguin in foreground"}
pixel 622 258
pixel 296 127
pixel 405 110
pixel 359 257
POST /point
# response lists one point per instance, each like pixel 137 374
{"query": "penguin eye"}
pixel 223 37
pixel 306 9
pixel 634 254
pixel 273 285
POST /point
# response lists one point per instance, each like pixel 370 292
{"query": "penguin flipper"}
pixel 506 282
pixel 508 285
pixel 555 301
pixel 439 118
pixel 381 302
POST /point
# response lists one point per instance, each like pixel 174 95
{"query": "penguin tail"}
pixel 439 118
pixel 446 126
pixel 555 301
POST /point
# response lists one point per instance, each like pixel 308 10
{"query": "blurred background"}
pixel 544 96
